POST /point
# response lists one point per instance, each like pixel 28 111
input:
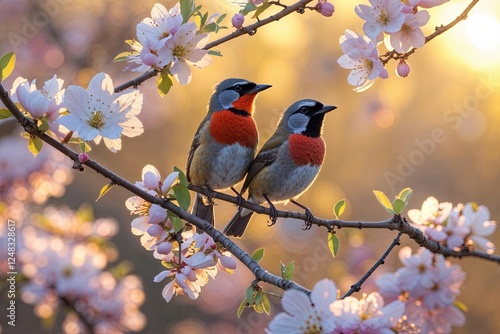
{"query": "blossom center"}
pixel 383 17
pixel 179 51
pixel 97 119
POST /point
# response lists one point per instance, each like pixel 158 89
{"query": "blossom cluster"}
pixel 322 312
pixel 166 42
pixel 190 258
pixel 93 114
pixel 428 285
pixel 459 227
pixel 401 21
pixel 62 255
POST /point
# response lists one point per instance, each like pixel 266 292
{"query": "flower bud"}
pixel 325 8
pixel 403 69
pixel 83 157
pixel 164 248
pixel 238 20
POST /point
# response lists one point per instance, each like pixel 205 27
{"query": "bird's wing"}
pixel 265 157
pixel 195 144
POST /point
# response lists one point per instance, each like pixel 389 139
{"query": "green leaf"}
pixel 260 10
pixel 43 124
pixel 7 63
pixel 249 295
pixel 288 273
pixel 258 308
pixel 258 297
pixel 241 308
pixel 211 27
pixel 339 208
pixel 333 243
pixel 266 304
pixel 84 147
pixel 5 113
pixel 384 201
pixel 215 53
pixel 220 18
pixel 104 190
pixel 405 195
pixel 177 223
pixel 35 145
pixel 164 83
pixel 258 255
pixel 123 56
pixel 182 196
pixel 249 7
pixel 182 177
pixel 398 206
pixel 187 9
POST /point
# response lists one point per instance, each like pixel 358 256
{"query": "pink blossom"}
pixel 477 218
pixel 418 273
pixel 430 3
pixel 431 217
pixel 325 8
pixel 410 35
pixel 402 69
pixel 455 229
pixel 383 16
pixel 304 315
pixel 237 20
pixel 83 157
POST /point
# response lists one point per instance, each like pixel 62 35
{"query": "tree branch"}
pixel 438 31
pixel 357 286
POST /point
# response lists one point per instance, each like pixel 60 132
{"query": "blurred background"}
pixel 384 139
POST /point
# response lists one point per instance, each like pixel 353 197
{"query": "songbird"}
pixel 287 164
pixel 225 143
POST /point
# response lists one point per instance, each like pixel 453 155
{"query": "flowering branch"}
pixel 250 30
pixel 71 305
pixel 438 31
pixel 260 273
pixel 357 286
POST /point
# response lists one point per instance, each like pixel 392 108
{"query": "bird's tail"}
pixel 203 209
pixel 238 224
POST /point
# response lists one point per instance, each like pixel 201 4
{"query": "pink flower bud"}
pixel 238 20
pixel 257 2
pixel 164 248
pixel 83 157
pixel 403 69
pixel 228 262
pixel 325 8
pixel 155 230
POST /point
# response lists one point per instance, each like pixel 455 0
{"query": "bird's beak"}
pixel 258 88
pixel 325 109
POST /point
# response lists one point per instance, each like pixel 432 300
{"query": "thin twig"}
pixel 357 286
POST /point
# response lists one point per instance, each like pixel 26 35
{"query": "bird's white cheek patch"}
pixel 227 97
pixel 298 122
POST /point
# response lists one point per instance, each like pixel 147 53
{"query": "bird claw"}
pixel 273 215
pixel 239 198
pixel 309 220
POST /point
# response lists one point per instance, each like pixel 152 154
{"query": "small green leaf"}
pixel 5 113
pixel 211 27
pixel 260 10
pixel 249 7
pixel 258 308
pixel 164 83
pixel 215 53
pixel 7 63
pixel 333 243
pixel 384 201
pixel 461 306
pixel 398 206
pixel 187 9
pixel 405 195
pixel 258 255
pixel 266 304
pixel 43 124
pixel 258 297
pixel 182 177
pixel 339 208
pixel 182 196
pixel 123 56
pixel 241 308
pixel 35 145
pixel 288 273
pixel 104 190
pixel 177 223
pixel 249 295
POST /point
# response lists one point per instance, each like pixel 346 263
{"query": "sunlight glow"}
pixel 483 30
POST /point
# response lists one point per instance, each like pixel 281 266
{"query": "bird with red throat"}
pixel 287 164
pixel 225 143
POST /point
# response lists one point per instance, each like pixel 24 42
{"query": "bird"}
pixel 225 142
pixel 287 164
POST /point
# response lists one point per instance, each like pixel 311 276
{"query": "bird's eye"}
pixel 238 88
pixel 304 110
